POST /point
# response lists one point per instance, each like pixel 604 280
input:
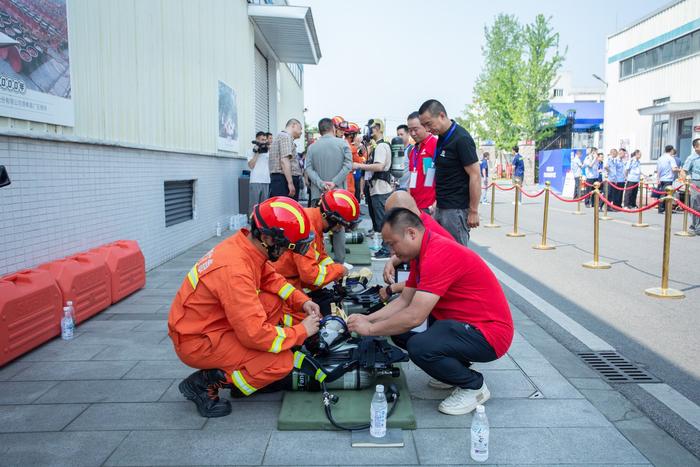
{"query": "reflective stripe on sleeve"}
pixel 276 346
pixel 286 291
pixel 298 359
pixel 242 384
pixel 287 320
pixel 318 282
pixel 326 261
pixel 193 276
pixel 320 375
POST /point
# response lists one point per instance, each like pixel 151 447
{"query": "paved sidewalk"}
pixel 110 397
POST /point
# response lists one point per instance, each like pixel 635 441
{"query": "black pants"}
pixel 577 187
pixel 615 195
pixel 586 189
pixel 278 185
pixel 662 187
pixel 370 209
pixel 631 201
pixel 446 351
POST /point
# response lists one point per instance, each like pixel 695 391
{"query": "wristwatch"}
pixel 388 291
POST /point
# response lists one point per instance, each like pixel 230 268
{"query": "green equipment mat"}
pixel 359 253
pixel 303 410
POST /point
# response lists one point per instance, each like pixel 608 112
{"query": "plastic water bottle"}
pixel 480 435
pixel 378 412
pixel 67 323
pixel 218 229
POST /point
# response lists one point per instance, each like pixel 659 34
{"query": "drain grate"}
pixel 616 369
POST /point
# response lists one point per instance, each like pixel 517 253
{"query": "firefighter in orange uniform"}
pixel 351 130
pixel 336 209
pixel 218 322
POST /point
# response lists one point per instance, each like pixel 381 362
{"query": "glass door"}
pixel 684 138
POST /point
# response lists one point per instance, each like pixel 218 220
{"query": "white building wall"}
pixel 66 198
pixel 145 72
pixel 623 124
pixel 144 80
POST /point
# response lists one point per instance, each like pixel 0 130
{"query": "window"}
pixel 659 135
pixel 297 71
pixel 179 201
pixel 558 92
pixel 676 49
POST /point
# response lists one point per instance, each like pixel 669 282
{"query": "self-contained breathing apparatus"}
pixel 334 359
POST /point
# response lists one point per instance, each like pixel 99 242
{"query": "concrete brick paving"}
pixel 110 397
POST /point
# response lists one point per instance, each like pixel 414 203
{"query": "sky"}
pixel 383 58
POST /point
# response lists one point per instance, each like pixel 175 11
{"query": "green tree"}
pixel 497 88
pixel 542 61
pixel 512 90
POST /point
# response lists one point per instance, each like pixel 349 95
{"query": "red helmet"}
pixel 351 128
pixel 286 222
pixel 338 121
pixel 340 207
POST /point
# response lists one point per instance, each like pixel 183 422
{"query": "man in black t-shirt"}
pixel 455 170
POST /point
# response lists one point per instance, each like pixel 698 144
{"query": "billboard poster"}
pixel 34 61
pixel 228 119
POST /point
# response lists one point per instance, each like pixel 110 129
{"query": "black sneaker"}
pixel 382 255
pixel 202 388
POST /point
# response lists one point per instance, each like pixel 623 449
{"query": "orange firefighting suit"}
pixel 351 176
pixel 315 269
pixel 230 314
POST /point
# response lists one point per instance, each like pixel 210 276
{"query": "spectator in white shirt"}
pixel 258 157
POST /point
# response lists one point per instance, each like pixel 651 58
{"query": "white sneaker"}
pixel 437 384
pixel 348 266
pixel 463 401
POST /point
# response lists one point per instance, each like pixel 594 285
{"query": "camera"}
pixel 259 147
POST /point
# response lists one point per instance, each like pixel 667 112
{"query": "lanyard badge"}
pixel 439 147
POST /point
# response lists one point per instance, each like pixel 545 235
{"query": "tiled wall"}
pixel 68 197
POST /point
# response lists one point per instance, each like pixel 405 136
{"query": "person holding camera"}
pixel 258 162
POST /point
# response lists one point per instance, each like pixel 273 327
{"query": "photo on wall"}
pixel 35 81
pixel 228 119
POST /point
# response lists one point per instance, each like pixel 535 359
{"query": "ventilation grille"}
pixel 616 369
pixel 179 197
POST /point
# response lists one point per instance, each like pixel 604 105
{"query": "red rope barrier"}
pixel 585 183
pixel 695 187
pixel 531 196
pixel 657 192
pixel 573 200
pixel 505 189
pixel 687 208
pixel 623 189
pixel 630 211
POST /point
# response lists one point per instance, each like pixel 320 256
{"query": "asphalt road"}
pixel 660 335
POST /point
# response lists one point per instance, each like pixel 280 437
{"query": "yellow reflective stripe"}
pixel 294 211
pixel 242 384
pixel 286 291
pixel 298 359
pixel 326 261
pixel 320 375
pixel 276 346
pixel 193 276
pixel 316 254
pixel 348 200
pixel 287 320
pixel 321 275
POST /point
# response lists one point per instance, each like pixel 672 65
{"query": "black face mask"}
pixel 274 252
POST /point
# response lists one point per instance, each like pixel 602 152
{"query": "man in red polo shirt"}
pixel 470 320
pixel 401 199
pixel 421 185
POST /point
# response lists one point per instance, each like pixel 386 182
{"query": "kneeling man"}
pixel 452 286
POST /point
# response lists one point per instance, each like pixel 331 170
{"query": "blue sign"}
pixel 554 165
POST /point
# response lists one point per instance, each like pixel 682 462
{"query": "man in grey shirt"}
pixel 328 162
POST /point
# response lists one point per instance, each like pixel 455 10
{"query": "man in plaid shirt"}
pixel 285 171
